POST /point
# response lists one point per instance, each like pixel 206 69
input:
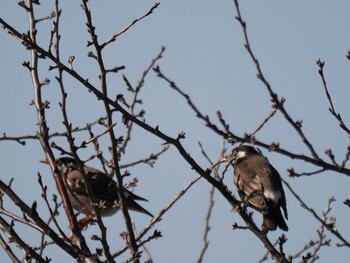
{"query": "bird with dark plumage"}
pixel 104 190
pixel 259 185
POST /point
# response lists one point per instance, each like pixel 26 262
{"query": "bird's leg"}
pixel 85 221
pixel 237 208
pixel 264 230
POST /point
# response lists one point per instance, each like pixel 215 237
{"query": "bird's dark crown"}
pixel 66 163
pixel 241 152
pixel 246 149
pixel 65 160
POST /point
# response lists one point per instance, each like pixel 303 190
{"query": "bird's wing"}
pixel 105 187
pixel 271 183
pixel 249 186
pixel 278 183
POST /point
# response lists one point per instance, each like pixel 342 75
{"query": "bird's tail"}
pixel 274 219
pixel 132 205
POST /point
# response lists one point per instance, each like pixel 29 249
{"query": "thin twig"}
pixel 149 160
pixel 9 251
pixel 135 91
pixel 156 131
pixel 43 130
pixel 10 232
pixel 205 241
pixel 233 138
pixel 277 103
pixel 123 207
pixel 22 139
pixel 24 221
pixel 330 227
pixel 266 255
pixel 38 221
pixel 114 37
pixel 52 211
pixel 272 113
pixel 158 217
pixel 329 98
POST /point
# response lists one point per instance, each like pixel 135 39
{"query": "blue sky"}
pixel 205 56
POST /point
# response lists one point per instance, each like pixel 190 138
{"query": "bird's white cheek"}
pixel 241 154
pixel 274 196
pixel 70 184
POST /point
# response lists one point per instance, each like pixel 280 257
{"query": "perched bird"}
pixel 259 185
pixel 104 190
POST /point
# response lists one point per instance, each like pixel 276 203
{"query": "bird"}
pixel 104 190
pixel 259 185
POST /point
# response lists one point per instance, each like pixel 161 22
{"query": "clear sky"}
pixel 206 58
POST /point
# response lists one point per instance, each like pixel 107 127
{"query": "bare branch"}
pixel 21 139
pixel 44 140
pixel 329 226
pixel 278 103
pixel 205 241
pixel 272 113
pixel 158 217
pixel 10 232
pixel 332 110
pixel 149 160
pixel 113 38
pixel 246 138
pixel 135 91
pixel 38 221
pixel 115 163
pixel 8 250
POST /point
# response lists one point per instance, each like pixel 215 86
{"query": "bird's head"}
pixel 64 164
pixel 238 154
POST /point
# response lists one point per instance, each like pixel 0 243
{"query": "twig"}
pixel 231 137
pixel 347 157
pixel 85 142
pixel 38 221
pixel 10 232
pixel 22 139
pixel 8 250
pixel 266 255
pixel 44 243
pixel 292 173
pixel 155 131
pixel 24 221
pixel 52 212
pixel 43 129
pixel 305 248
pixel 135 91
pixel 114 148
pixel 329 98
pixel 272 113
pixel 158 217
pixel 114 37
pixel 98 154
pixel 156 234
pixel 205 241
pixel 277 103
pixel 103 239
pixel 149 160
pixel 330 227
pixel 47 17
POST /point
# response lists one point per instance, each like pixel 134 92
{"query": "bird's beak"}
pixel 221 160
pixel 46 161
